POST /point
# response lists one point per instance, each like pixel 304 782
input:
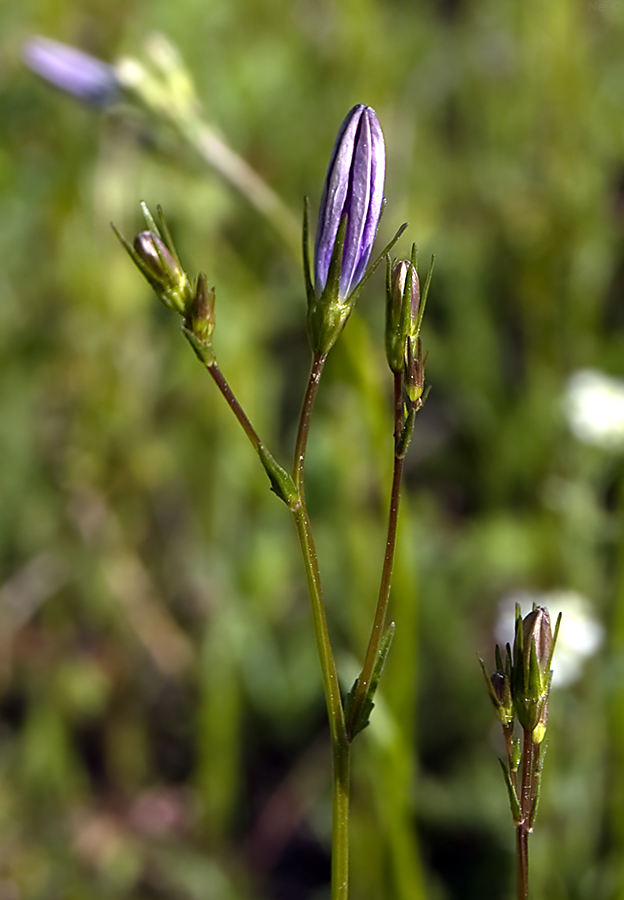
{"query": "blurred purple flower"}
pixel 353 186
pixel 71 70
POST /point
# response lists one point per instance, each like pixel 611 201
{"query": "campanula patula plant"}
pixel 348 220
pixel 337 265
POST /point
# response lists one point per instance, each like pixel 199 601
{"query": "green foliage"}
pixel 162 730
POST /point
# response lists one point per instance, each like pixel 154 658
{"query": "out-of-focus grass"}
pixel 162 730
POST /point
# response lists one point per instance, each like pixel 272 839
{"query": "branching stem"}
pixel 340 743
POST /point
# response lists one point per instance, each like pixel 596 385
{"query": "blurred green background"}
pixel 162 726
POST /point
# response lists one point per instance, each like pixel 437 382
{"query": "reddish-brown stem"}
pixel 234 405
pixel 522 842
pixel 526 804
pixel 304 420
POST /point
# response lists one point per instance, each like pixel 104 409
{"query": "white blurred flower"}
pixel 580 634
pixel 594 408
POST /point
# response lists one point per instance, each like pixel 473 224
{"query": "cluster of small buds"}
pixel 520 690
pixel 404 312
pixel 155 255
pixel 520 686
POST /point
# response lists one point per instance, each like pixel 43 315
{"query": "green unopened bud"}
pixel 537 634
pixel 415 374
pixel 164 273
pixel 499 689
pixel 533 650
pixel 502 691
pixel 402 288
pixel 402 301
pixel 201 314
pixel 154 253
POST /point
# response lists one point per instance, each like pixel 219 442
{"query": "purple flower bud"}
pixel 157 257
pixel 163 271
pixel 353 187
pixel 71 70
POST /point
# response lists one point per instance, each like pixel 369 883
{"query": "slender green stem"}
pixel 328 666
pixel 340 817
pixel 381 611
pixel 340 742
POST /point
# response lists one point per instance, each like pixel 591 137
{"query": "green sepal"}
pixel 406 307
pixel 136 259
pixel 554 641
pixel 488 683
pixel 535 685
pixel 328 314
pixel 162 229
pixel 395 341
pixel 149 218
pixel 423 298
pixel 516 757
pixel 514 803
pixel 502 705
pixel 200 317
pixel 366 708
pixel 282 483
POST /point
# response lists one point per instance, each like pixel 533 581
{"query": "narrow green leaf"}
pixel 363 718
pixel 514 803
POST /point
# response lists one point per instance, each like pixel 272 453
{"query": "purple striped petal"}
pixel 353 186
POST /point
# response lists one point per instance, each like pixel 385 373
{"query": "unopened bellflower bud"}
pixel 72 71
pixel 532 655
pixel 353 188
pixel 499 688
pixel 348 219
pixel 156 257
pixel 403 299
pixel 399 284
pixel 153 252
pixel 201 312
pixel 164 273
pixel 537 634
